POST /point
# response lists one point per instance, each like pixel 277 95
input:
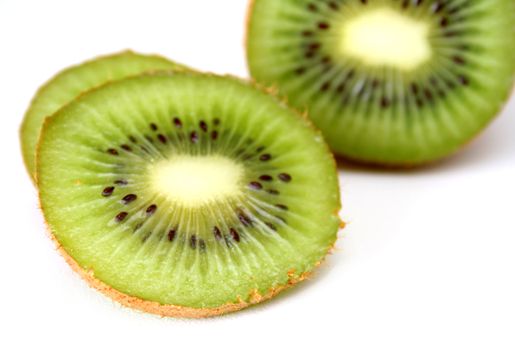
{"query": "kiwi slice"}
pixel 71 82
pixel 395 82
pixel 186 194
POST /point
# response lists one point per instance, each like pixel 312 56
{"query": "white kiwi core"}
pixel 195 181
pixel 384 37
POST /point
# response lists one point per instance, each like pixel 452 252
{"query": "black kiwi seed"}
pixel 112 151
pixel 214 135
pixel 153 126
pixel 428 94
pixel 281 206
pixel 202 244
pixel 414 88
pixel 312 8
pixel 307 33
pixel 300 71
pixel 161 138
pixel 314 46
pixel 266 178
pixel 255 185
pixel 438 6
pixel 323 25
pixel 463 80
pixel 326 60
pixel 284 177
pixel 129 198
pixel 126 147
pixel 193 242
pixel 133 139
pixel 121 182
pixel 444 22
pixel 151 209
pixel 194 137
pixel 108 191
pixel 458 60
pixel 265 157
pixel 274 192
pixel 216 121
pixel 333 5
pixel 385 102
pixel 271 226
pixel 244 219
pixel 177 122
pixel 171 235
pixel 121 216
pixel 364 2
pixel 203 126
pixel 217 233
pixel 235 235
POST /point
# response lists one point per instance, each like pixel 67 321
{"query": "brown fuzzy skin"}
pixel 169 310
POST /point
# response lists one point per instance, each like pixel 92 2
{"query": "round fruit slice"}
pixel 73 81
pixel 395 82
pixel 187 195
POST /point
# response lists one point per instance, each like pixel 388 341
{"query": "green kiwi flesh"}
pixel 189 190
pixel 379 93
pixel 73 81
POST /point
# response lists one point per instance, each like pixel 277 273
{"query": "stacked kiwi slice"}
pixel 180 193
pixel 393 82
pixel 71 82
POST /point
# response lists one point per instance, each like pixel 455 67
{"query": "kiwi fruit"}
pixel 187 195
pixel 73 81
pixel 392 82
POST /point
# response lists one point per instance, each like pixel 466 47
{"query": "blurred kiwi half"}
pixel 392 82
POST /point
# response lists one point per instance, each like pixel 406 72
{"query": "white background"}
pixel 427 260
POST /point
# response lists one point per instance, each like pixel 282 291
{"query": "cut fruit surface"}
pixel 73 81
pixel 395 82
pixel 187 190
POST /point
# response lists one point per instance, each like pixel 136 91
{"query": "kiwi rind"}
pixel 253 296
pixel 26 133
pixel 177 311
pixel 504 88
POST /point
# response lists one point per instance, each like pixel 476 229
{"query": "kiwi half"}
pixel 73 81
pixel 185 194
pixel 395 82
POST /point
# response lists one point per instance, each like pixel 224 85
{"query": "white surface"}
pixel 427 261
